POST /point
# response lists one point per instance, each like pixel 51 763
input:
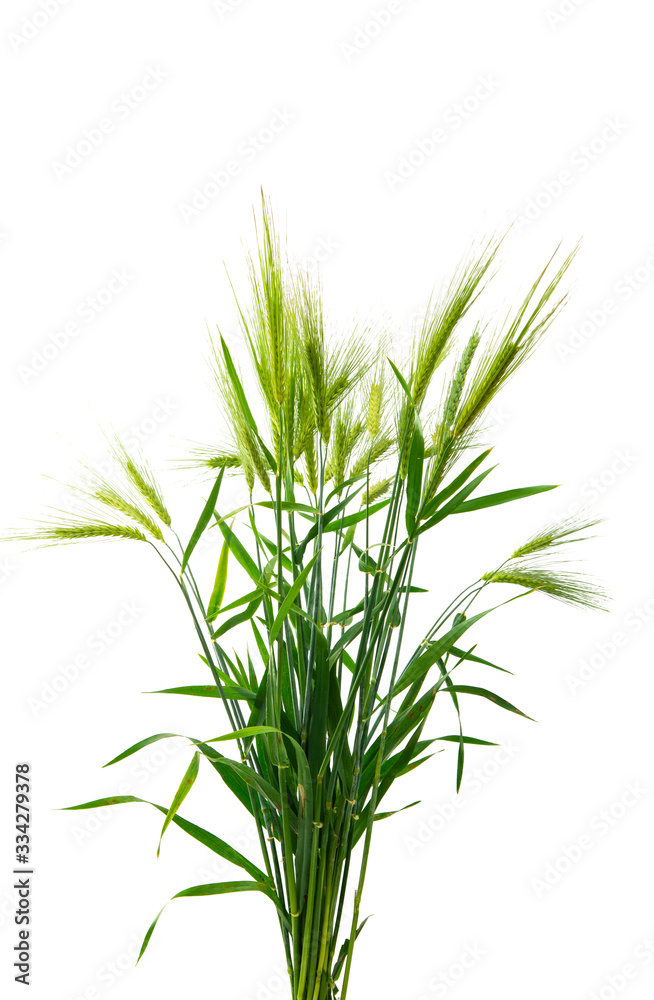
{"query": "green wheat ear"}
pixel 509 349
pixel 527 566
pixel 243 437
pixel 204 456
pixel 435 338
pixel 373 416
pixel 142 478
pixel 376 491
pixel 571 588
pixel 372 454
pixel 569 529
pixel 94 489
pixel 443 316
pixel 76 530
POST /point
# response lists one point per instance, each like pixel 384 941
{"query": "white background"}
pixel 564 93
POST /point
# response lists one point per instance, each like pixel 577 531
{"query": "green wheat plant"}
pixel 350 455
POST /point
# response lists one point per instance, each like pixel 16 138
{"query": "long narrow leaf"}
pixel 185 787
pixel 289 599
pixel 204 519
pixel 495 698
pixel 209 840
pixel 216 889
pixel 506 496
pixel 232 691
pixel 218 592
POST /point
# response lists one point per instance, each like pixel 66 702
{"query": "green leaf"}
pixel 345 640
pixel 506 496
pixel 366 563
pixel 238 388
pixel 345 617
pixel 344 485
pixel 452 507
pixel 301 508
pixel 216 599
pixel 403 383
pixel 239 552
pixel 272 548
pixel 455 651
pixel 394 812
pixel 456 483
pixel 234 781
pixel 327 519
pixel 319 719
pixel 304 816
pixel 238 619
pixel 416 763
pixel 403 724
pixel 417 669
pixel 447 680
pixel 141 744
pixel 217 889
pixel 243 733
pixel 344 950
pixel 467 739
pixel 232 691
pixel 270 457
pixel 246 774
pixel 231 514
pixel 249 597
pixel 350 519
pixel 205 517
pixel 414 477
pixel 495 698
pixel 290 599
pixel 185 787
pixel 209 840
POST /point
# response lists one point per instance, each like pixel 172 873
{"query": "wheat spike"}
pixel 571 588
pixel 141 477
pixel 376 491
